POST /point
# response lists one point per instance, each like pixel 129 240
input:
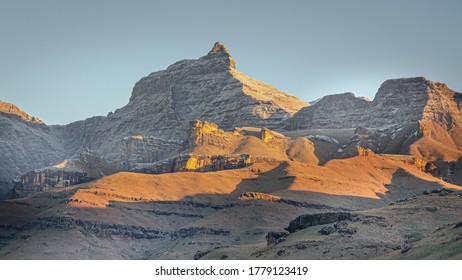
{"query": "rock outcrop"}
pixel 258 196
pixel 398 101
pixel 304 221
pixel 365 152
pixel 203 133
pixel 41 180
pixel 12 111
pixel 411 116
pixel 146 149
pixel 199 163
pixel 25 144
pixel 343 110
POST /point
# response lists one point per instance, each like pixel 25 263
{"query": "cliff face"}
pixel 398 101
pixel 25 144
pixel 410 115
pixel 332 111
pixel 444 109
pixel 163 104
pixel 199 163
pixel 41 180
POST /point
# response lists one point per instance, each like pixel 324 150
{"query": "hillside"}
pixel 174 215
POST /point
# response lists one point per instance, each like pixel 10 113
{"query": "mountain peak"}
pixel 219 50
pixel 218 47
pixel 11 109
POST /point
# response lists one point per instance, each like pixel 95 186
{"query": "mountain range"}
pixel 205 163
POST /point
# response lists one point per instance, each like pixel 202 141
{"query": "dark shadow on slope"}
pixel 200 222
pixel 267 182
pixel 404 185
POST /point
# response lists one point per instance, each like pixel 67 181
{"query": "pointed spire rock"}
pixel 219 50
pixel 218 47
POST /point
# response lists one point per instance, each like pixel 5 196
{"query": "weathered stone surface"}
pixel 365 152
pixel 275 237
pixel 204 133
pixel 258 196
pixel 46 179
pixel 25 144
pixel 402 112
pixel 201 163
pixel 12 111
pixel 327 230
pixel 266 135
pixel 146 149
pixel 309 220
pixel 343 110
pixel 397 101
pixel 302 149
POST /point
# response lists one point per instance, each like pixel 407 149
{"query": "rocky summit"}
pixel 155 121
pixel 408 115
pixel 206 163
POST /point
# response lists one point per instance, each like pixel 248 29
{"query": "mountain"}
pixel 26 143
pixel 12 111
pixel 164 103
pixel 412 116
pixel 206 163
pixel 152 126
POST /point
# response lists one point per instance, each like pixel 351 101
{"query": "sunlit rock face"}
pixel 160 110
pixel 410 115
pixel 199 163
pixel 12 111
pixel 163 104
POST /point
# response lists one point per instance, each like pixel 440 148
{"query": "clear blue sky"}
pixel 64 61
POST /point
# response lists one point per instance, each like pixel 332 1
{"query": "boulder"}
pixel 275 237
pixel 328 230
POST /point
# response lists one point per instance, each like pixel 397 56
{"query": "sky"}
pixel 64 61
